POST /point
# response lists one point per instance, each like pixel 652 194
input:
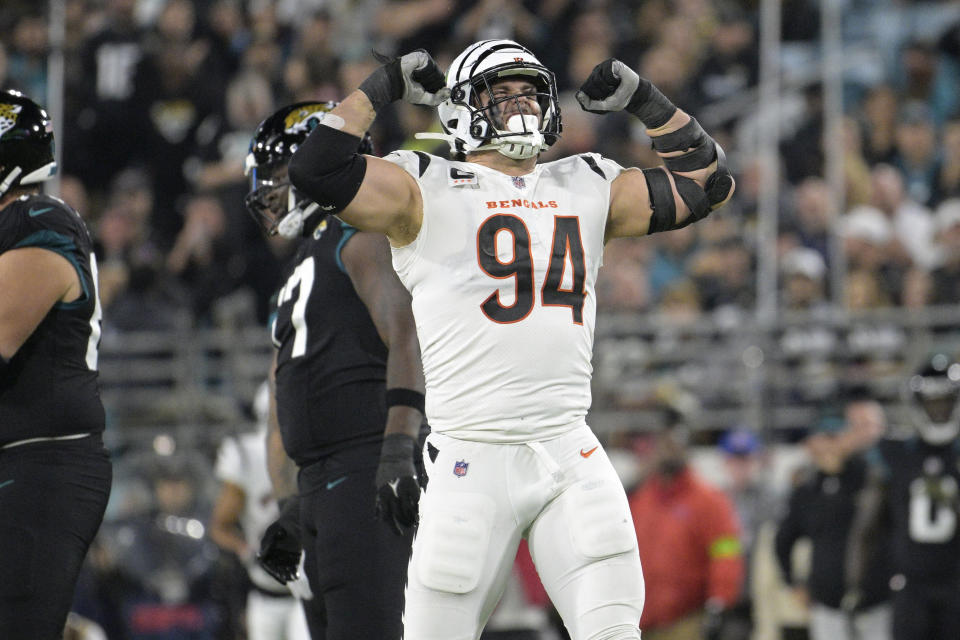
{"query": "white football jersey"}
pixel 502 277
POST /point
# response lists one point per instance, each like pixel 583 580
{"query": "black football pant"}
pixel 356 563
pixel 52 499
pixel 927 611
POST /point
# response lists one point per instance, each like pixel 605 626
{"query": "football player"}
pixel 55 474
pixel 501 254
pixel 244 508
pixel 922 506
pixel 349 398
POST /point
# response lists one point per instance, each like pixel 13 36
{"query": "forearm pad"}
pixel 328 169
pixel 650 105
pixel 385 85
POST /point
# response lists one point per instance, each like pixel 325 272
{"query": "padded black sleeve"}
pixel 664 216
pixel 328 169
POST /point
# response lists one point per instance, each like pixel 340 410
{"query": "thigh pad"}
pixel 454 538
pixel 598 518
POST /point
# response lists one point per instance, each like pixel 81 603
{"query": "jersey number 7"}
pixel 566 247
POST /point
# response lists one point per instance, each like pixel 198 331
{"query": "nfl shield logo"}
pixel 460 468
pixel 518 182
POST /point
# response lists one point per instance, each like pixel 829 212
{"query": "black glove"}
pixel 398 485
pixel 414 77
pixel 613 86
pixel 280 546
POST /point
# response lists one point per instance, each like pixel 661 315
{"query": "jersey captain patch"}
pixel 460 178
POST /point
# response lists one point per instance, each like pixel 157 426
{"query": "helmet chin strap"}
pixel 291 225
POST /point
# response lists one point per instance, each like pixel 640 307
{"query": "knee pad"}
pixel 599 519
pixel 453 539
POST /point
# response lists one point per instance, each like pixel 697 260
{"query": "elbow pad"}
pixel 328 169
pixel 699 151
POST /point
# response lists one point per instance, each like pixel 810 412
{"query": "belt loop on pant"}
pixel 552 467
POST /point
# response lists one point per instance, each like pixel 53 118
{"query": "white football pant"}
pixel 564 496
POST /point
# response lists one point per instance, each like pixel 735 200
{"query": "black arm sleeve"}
pixel 328 169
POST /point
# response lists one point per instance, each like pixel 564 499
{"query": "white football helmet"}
pixel 470 126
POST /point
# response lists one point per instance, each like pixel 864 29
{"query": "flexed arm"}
pixel 369 193
pixel 695 180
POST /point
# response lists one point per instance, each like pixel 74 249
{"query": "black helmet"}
pixel 274 203
pixel 26 142
pixel 934 392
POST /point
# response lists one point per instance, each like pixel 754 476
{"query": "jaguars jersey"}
pixel 502 277
pixel 325 342
pixel 923 501
pixel 50 387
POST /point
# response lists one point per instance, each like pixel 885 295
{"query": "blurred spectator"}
pixel 856 169
pixel 207 257
pixel 811 215
pixel 27 56
pixel 756 503
pixel 501 19
pixel 867 235
pixel 946 276
pixel 689 543
pixel 723 273
pixel 911 222
pixel 679 305
pixel 170 93
pixel 804 276
pixel 917 289
pixel 105 94
pixel 864 291
pixel 672 251
pixel 132 289
pixel 622 283
pixel 153 570
pixel 916 151
pixel 418 24
pixel 823 507
pixel 924 75
pixel 948 179
pixel 222 143
pixel 878 114
pixel 730 65
pixel 802 153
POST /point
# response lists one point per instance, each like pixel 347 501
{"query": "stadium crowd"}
pixel 161 97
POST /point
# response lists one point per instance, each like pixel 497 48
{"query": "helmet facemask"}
pixel 275 203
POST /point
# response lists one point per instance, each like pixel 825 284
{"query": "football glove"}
pixel 398 485
pixel 613 86
pixel 414 77
pixel 280 546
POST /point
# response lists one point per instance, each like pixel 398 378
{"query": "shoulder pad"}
pixel 39 221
